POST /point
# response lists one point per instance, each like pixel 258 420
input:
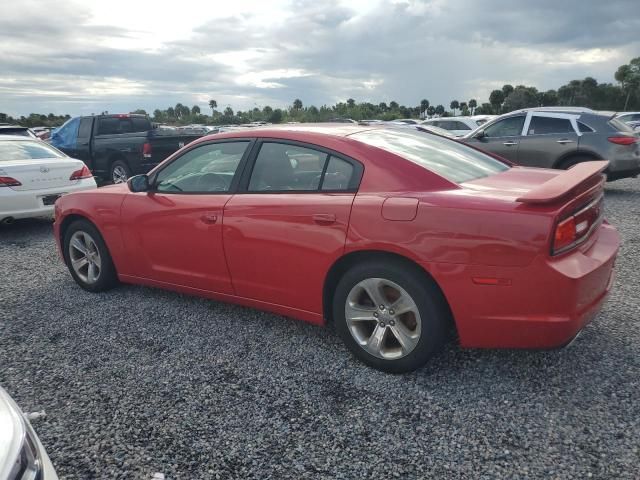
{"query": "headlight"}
pixel 19 458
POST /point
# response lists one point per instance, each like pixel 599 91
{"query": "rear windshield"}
pixel 452 160
pixel 26 150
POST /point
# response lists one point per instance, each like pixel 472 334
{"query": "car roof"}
pixel 333 129
pixel 13 127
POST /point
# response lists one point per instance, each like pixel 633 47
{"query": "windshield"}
pixel 449 159
pixel 26 150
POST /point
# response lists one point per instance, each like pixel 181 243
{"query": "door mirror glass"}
pixel 139 183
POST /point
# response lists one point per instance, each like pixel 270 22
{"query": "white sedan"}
pixel 33 175
pixel 458 126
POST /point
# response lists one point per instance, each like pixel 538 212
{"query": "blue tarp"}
pixel 67 135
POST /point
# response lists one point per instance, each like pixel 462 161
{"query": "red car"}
pixel 392 235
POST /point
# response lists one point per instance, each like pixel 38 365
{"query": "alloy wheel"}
pixel 119 174
pixel 383 318
pixel 85 257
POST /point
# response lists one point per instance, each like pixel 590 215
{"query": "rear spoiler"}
pixel 562 184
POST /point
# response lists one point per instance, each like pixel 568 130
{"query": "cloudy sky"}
pixel 83 57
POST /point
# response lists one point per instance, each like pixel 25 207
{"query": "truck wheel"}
pixel 120 172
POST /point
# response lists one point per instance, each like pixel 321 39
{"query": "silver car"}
pixel 560 138
pixel 22 456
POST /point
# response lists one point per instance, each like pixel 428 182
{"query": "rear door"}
pixel 288 224
pixel 548 138
pixel 503 137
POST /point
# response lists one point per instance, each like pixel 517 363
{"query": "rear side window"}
pixel 108 126
pixel 548 125
pixel 280 166
pixel 26 150
pixel 507 127
pixel 338 175
pixel 460 126
pixel 584 128
pixel 452 160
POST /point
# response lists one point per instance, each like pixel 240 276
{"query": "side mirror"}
pixel 480 134
pixel 139 183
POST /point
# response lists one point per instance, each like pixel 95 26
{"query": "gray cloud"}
pixel 53 60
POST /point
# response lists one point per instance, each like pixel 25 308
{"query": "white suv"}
pixel 458 125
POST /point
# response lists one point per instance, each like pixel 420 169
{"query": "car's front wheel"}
pixel 88 258
pixel 390 315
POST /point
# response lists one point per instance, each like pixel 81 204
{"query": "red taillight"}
pixel 573 230
pixel 623 140
pixel 146 150
pixel 84 172
pixel 9 182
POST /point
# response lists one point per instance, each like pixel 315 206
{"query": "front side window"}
pixel 548 125
pixel 26 150
pixel 507 127
pixel 281 166
pixel 452 160
pixel 85 128
pixel 204 169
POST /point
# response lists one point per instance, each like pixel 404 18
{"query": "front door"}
pixel 175 231
pixel 503 137
pixel 283 233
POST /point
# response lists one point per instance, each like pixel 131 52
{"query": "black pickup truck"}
pixel 114 147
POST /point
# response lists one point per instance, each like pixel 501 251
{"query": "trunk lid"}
pixel 42 173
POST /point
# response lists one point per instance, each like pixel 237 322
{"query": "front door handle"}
pixel 209 218
pixel 324 218
pixel 564 141
pixel 509 144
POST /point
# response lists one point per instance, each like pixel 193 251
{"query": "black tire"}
pixel 119 172
pixel 432 307
pixel 567 163
pixel 107 277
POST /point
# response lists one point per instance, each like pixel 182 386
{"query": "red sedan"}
pixel 392 235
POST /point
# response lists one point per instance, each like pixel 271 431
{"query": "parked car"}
pixel 33 175
pixel 115 147
pixel 627 117
pixel 43 133
pixel 456 125
pixel 435 130
pixel 561 138
pixel 17 130
pixel 22 456
pixel 392 235
pixel 405 121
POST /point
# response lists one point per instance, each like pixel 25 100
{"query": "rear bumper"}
pixel 543 305
pixel 28 203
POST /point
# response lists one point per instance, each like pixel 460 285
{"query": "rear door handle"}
pixel 209 218
pixel 324 218
pixel 564 140
pixel 509 144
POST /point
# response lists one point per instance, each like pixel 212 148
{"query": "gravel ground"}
pixel 139 381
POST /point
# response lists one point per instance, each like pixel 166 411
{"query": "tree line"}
pixel 625 95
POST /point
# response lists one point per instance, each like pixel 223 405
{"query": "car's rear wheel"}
pixel 390 315
pixel 88 258
pixel 567 163
pixel 120 172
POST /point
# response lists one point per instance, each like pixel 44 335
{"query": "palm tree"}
pixel 440 110
pixel 454 106
pixel 472 105
pixel 351 102
pixel 297 104
pixel 213 105
pixel 496 98
pixel 424 104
